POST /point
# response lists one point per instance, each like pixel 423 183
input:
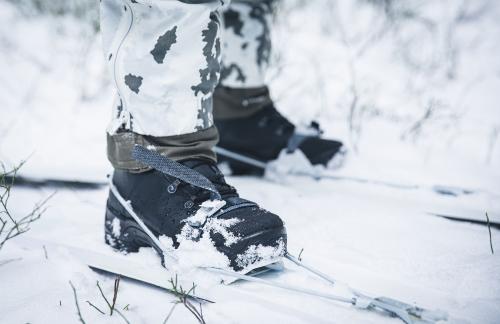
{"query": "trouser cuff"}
pixel 180 147
pixel 239 102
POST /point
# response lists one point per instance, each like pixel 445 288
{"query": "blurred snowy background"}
pixel 411 86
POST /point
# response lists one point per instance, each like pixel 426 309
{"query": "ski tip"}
pixel 169 290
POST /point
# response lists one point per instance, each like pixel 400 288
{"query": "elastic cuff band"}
pixel 239 102
pixel 180 147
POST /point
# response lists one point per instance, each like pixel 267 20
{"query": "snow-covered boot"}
pixel 249 125
pixel 169 207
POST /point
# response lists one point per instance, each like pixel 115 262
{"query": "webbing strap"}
pixel 175 169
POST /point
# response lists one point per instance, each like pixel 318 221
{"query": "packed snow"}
pixel 412 91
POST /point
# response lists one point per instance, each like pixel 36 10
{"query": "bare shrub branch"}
pixel 183 298
pixel 111 305
pixel 10 226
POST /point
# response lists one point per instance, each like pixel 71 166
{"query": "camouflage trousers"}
pixel 166 58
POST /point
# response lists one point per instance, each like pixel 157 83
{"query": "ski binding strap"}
pixel 410 314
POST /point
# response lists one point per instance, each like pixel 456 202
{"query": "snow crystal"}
pixel 197 250
pixel 339 159
pixel 290 163
pixel 196 254
pixel 213 225
pixel 190 233
pixel 207 209
pixel 111 240
pixel 256 254
pixel 221 226
pixel 116 227
pixel 166 241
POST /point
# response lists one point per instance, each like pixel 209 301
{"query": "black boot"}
pixel 261 132
pixel 165 204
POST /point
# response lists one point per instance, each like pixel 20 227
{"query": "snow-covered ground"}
pixel 376 240
pixel 415 98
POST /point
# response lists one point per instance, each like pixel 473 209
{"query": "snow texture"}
pixel 410 87
pixel 256 254
pixel 116 228
pixel 207 209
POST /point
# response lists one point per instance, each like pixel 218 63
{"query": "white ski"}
pixel 128 268
pixel 408 313
pixel 438 189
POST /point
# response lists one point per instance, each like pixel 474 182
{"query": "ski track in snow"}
pixel 380 240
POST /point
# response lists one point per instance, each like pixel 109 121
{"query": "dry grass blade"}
pixel 76 303
pixel 300 254
pixel 4 262
pixel 115 293
pixel 183 297
pixel 103 296
pixel 97 308
pixel 111 305
pixel 489 230
pixel 171 312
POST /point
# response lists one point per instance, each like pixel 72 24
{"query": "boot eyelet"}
pixel 172 188
pixel 188 204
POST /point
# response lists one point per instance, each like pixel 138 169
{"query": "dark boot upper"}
pixel 164 203
pixel 249 124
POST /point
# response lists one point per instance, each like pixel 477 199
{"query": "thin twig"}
pixel 22 225
pixel 97 308
pixel 122 316
pixel 300 254
pixel 76 303
pixel 171 312
pixel 4 262
pixel 45 252
pixel 183 298
pixel 115 294
pixel 489 230
pixel 103 296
